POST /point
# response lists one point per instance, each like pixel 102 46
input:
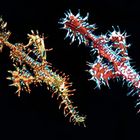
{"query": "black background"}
pixel 110 113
